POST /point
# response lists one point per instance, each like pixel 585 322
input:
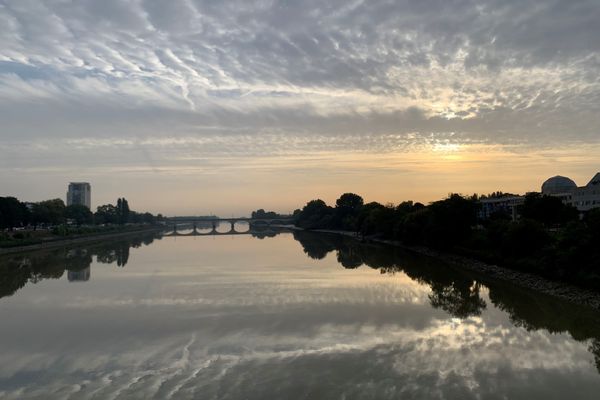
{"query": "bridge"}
pixel 212 224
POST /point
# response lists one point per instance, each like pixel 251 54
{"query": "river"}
pixel 287 316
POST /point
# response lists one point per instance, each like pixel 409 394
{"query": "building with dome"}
pixel 584 198
pixel 557 185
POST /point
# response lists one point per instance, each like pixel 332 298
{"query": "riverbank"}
pixel 561 290
pixel 56 242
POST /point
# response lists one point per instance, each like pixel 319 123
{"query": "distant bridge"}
pixel 212 224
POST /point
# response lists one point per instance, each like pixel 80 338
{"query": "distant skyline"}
pixel 197 107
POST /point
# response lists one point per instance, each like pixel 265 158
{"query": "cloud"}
pixel 493 69
pixel 193 79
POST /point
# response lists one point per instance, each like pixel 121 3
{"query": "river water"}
pixel 292 316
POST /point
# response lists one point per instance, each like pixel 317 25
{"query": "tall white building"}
pixel 584 198
pixel 79 193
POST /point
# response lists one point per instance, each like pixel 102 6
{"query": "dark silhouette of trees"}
pixel 80 214
pixel 450 221
pixel 106 214
pixel 548 210
pixel 262 214
pixel 122 211
pixel 55 215
pixel 347 209
pixel 316 215
pixel 548 239
pixel 121 214
pixel 49 212
pixel 377 219
pixel 13 213
pixel 524 238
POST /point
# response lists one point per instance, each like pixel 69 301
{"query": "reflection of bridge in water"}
pixel 254 225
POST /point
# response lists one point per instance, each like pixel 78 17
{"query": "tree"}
pixel 548 210
pixel 79 213
pixel 451 221
pixel 365 223
pixel 349 201
pixel 592 222
pixel 525 238
pixel 123 211
pixel 106 214
pixel 262 214
pixel 347 208
pixel 148 218
pixel 412 229
pixel 316 214
pixel 13 213
pixel 49 212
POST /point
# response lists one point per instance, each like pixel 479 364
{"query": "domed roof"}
pixel 558 184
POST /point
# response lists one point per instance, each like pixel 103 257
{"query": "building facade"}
pixel 584 198
pixel 79 193
pixel 507 205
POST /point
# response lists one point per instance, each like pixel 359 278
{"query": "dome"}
pixel 558 184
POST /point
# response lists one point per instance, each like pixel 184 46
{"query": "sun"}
pixel 448 151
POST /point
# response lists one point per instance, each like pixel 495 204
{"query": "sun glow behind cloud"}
pixel 191 176
pixel 335 96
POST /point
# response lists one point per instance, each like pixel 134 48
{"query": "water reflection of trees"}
pixel 18 270
pixel 262 232
pixel 534 311
pixel 454 293
pixel 457 291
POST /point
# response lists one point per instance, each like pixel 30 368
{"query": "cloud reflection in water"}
pixel 265 321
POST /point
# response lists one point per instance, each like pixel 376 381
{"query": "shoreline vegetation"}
pixel 27 226
pixel 548 247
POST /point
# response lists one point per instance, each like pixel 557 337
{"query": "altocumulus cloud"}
pixel 220 77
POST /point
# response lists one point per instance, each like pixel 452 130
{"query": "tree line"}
pixel 549 238
pixel 262 214
pixel 15 213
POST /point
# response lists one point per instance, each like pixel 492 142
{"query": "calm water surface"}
pixel 295 316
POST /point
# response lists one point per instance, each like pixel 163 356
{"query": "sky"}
pixel 205 106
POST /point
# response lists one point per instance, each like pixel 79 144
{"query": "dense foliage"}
pixel 549 238
pixel 262 214
pixel 17 214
